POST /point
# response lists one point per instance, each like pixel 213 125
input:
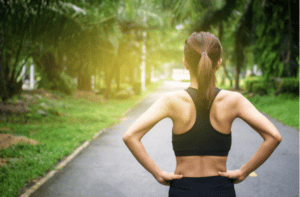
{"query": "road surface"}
pixel 106 168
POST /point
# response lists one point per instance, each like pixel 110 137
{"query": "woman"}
pixel 202 116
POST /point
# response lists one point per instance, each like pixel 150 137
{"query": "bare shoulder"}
pixel 241 105
pixel 228 100
pixel 230 97
pixel 176 101
pixel 174 98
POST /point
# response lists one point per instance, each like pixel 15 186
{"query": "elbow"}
pixel 278 139
pixel 126 138
pixel 274 139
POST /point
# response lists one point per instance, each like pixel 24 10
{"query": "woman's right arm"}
pixel 159 110
pixel 247 112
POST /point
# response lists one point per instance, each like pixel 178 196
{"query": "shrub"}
pixel 286 85
pixel 125 94
pixel 256 84
pixel 65 84
pixel 260 88
pixel 62 82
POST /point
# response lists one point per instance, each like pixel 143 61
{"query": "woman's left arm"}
pixel 132 138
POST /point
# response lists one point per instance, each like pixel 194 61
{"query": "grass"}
pixel 69 123
pixel 284 107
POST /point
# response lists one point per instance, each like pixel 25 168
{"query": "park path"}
pixel 106 168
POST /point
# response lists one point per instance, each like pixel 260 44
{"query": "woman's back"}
pixel 222 114
pixel 202 120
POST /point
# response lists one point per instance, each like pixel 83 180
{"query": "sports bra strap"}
pixel 193 93
pixel 202 138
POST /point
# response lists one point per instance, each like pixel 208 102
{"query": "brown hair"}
pixel 202 51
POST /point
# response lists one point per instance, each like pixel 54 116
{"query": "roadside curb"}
pixel 60 165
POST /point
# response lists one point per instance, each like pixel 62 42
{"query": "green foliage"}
pixel 260 88
pixel 275 86
pixel 72 32
pixel 287 85
pixel 290 85
pixel 258 85
pixel 275 47
pixel 61 82
pixel 90 37
pixel 65 84
pixel 249 81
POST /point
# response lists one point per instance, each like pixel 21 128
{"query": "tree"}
pixel 18 19
pixel 276 47
pixel 54 33
pixel 261 27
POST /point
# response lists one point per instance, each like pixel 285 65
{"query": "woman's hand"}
pixel 237 176
pixel 165 178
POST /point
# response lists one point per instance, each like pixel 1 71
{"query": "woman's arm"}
pixel 246 111
pixel 132 138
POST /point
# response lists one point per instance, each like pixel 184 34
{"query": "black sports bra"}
pixel 202 138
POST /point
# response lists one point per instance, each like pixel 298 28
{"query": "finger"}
pixel 165 182
pixel 177 176
pixel 172 176
pixel 224 174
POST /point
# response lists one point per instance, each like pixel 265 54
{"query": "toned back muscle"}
pixel 183 115
pixel 222 112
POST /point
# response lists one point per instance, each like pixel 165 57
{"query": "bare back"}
pixel 222 114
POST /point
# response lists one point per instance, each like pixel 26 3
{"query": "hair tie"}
pixel 203 54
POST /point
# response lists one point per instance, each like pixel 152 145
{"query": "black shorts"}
pixel 213 186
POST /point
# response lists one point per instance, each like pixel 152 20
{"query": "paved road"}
pixel 106 168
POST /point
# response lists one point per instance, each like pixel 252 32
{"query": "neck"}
pixel 194 83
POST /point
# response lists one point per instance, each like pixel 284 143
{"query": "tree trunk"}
pixel 221 33
pixel 237 77
pixel 109 74
pixel 148 73
pixel 3 87
pixel 227 75
pixel 131 73
pixel 239 52
pixel 117 76
pixel 223 78
pixel 84 79
pixel 84 82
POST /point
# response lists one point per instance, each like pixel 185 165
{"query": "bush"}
pixel 257 85
pixel 260 88
pixel 286 85
pixel 62 82
pixel 248 82
pixel 125 94
pixel 65 84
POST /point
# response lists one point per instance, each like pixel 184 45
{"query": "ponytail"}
pixel 202 51
pixel 206 82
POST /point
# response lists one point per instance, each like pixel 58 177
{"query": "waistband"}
pixel 207 179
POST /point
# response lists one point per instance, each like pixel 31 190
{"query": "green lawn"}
pixel 284 107
pixel 70 122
